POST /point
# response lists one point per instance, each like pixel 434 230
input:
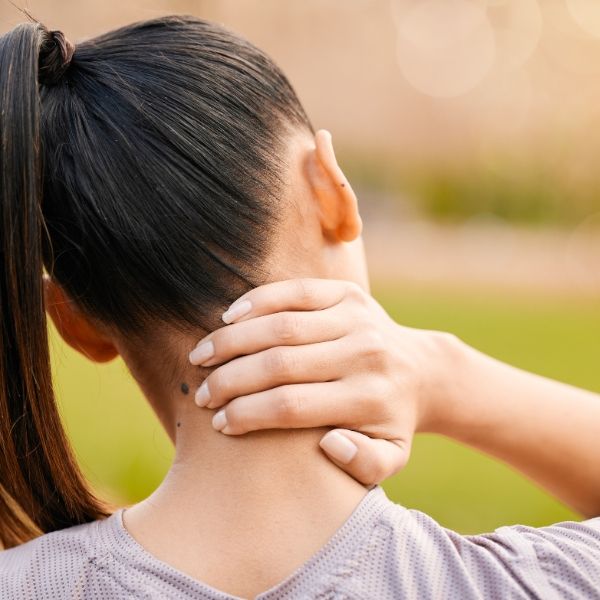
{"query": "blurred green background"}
pixel 125 453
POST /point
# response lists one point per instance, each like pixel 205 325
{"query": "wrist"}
pixel 444 379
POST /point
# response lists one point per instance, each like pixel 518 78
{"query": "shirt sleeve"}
pixel 568 555
pixel 559 562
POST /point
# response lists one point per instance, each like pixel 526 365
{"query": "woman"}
pixel 157 173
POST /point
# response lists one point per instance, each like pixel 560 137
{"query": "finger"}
pixel 268 331
pixel 291 294
pixel 368 460
pixel 324 361
pixel 296 406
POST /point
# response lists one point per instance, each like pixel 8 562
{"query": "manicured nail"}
pixel 219 420
pixel 236 311
pixel 338 447
pixel 202 353
pixel 202 397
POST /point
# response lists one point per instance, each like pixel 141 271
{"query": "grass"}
pixel 125 453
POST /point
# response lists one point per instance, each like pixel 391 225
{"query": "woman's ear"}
pixel 338 207
pixel 74 327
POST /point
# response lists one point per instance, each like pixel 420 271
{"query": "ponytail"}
pixel 41 486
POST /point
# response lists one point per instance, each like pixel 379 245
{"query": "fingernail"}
pixel 202 353
pixel 202 397
pixel 338 447
pixel 236 311
pixel 219 421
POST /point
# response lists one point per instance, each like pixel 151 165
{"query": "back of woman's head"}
pixel 143 170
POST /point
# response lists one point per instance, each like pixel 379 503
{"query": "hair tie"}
pixel 56 52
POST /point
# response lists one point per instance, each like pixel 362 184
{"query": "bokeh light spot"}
pixel 518 30
pixel 586 13
pixel 444 47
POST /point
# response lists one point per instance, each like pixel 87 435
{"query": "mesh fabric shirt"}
pixel 383 551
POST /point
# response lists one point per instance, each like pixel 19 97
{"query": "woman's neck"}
pixel 242 513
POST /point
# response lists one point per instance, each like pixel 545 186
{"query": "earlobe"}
pixel 338 205
pixel 74 327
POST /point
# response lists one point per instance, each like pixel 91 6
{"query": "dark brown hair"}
pixel 142 170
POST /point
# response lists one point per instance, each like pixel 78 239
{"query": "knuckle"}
pixel 216 385
pixel 286 326
pixel 290 405
pixel 396 457
pixel 355 293
pixel 380 393
pixel 305 290
pixel 373 345
pixel 367 474
pixel 278 362
pixel 378 473
pixel 235 421
pixel 222 342
pixel 399 463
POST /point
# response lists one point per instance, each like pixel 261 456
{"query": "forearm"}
pixel 547 430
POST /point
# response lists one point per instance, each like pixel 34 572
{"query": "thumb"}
pixel 368 460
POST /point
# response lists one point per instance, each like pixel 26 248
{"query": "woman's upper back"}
pixel 382 551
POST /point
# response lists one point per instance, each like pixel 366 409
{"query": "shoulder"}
pixel 411 555
pixel 567 553
pixel 50 566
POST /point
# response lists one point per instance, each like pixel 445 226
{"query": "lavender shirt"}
pixel 383 551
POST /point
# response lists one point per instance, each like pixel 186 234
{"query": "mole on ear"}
pixel 185 388
pixel 178 424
